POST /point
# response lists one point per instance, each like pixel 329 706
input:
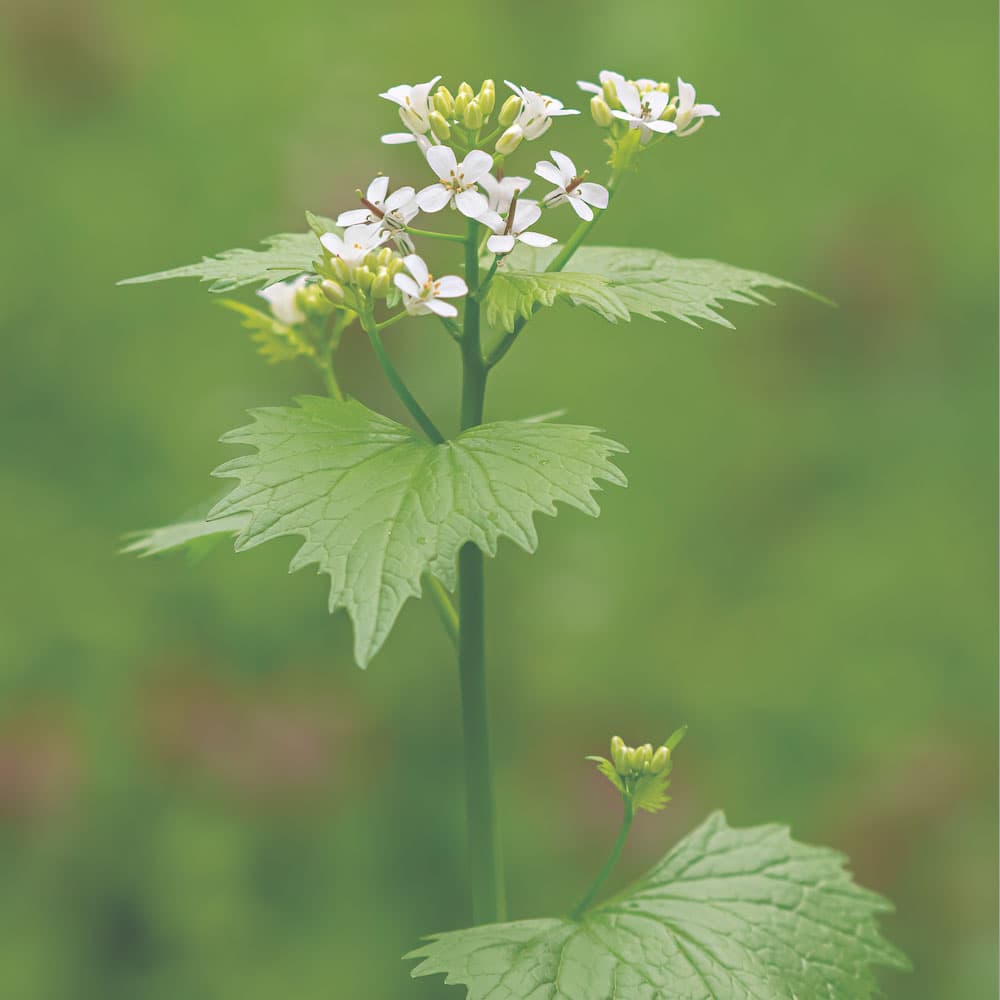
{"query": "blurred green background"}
pixel 200 795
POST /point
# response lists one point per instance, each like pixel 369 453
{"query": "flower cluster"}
pixel 641 774
pixel 465 139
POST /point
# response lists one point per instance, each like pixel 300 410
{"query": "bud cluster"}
pixel 467 109
pixel 374 274
pixel 634 762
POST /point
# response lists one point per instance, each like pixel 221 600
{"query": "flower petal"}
pixel 353 217
pixel 471 204
pixel 566 166
pixel 441 308
pixel 451 286
pixel 407 285
pixel 663 127
pixel 433 197
pixel 594 194
pixel 628 94
pixel 477 163
pixel 491 220
pixel 398 199
pixel 398 138
pixel 582 209
pixel 591 88
pixel 536 239
pixel 442 161
pixel 377 190
pixel 705 111
pixel 685 95
pixel 333 243
pixel 549 172
pixel 526 214
pixel 416 266
pixel 500 244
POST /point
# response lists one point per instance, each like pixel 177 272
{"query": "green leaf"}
pixel 641 282
pixel 726 914
pixel 379 505
pixel 196 536
pixel 287 255
pixel 275 340
pixel 513 294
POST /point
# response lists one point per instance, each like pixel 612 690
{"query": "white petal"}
pixel 536 239
pixel 398 199
pixel 416 266
pixel 398 138
pixel 625 116
pixel 685 94
pixel 526 214
pixel 491 220
pixel 549 172
pixel 442 161
pixel 353 217
pixel 594 194
pixel 441 308
pixel 705 111
pixel 406 284
pixel 691 131
pixel 398 95
pixel 566 166
pixel 657 101
pixel 591 88
pixel 333 243
pixel 451 286
pixel 477 163
pixel 629 96
pixel 663 127
pixel 500 244
pixel 433 197
pixel 377 190
pixel 520 91
pixel 582 209
pixel 471 204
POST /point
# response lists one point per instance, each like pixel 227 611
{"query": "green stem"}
pixel 602 875
pixel 397 383
pixel 330 380
pixel 445 607
pixel 450 237
pixel 485 862
pixel 557 263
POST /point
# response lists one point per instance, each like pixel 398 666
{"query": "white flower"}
pixel 392 212
pixel 571 186
pixel 457 181
pixel 422 294
pixel 282 296
pixel 414 109
pixel 510 230
pixel 537 111
pixel 687 110
pixel 644 103
pixel 605 76
pixel 501 192
pixel 356 243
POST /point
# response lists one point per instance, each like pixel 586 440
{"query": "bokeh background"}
pixel 200 794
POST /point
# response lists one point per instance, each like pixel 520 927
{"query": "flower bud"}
pixel 382 257
pixel 634 756
pixel 382 284
pixel 487 96
pixel 510 140
pixel 645 755
pixel 395 266
pixel 461 103
pixel 341 270
pixel 444 102
pixel 669 113
pixel 660 760
pixel 617 753
pixel 600 111
pixel 312 301
pixel 466 90
pixel 333 291
pixel 510 109
pixel 363 277
pixel 439 125
pixel 472 117
pixel 610 92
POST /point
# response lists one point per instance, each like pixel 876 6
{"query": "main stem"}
pixel 485 861
pixel 602 875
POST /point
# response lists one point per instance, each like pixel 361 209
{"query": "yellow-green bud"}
pixel 610 92
pixel 439 125
pixel 487 96
pixel 312 300
pixel 383 256
pixel 472 117
pixel 510 140
pixel 461 103
pixel 363 277
pixel 340 270
pixel 465 89
pixel 617 753
pixel 634 758
pixel 646 752
pixel 600 111
pixel 394 266
pixel 444 102
pixel 660 760
pixel 382 284
pixel 669 113
pixel 510 109
pixel 333 291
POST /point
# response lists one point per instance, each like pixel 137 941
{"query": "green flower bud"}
pixel 669 113
pixel 466 90
pixel 600 111
pixel 461 103
pixel 340 270
pixel 510 109
pixel 618 754
pixel 660 760
pixel 439 126
pixel 444 102
pixel 510 140
pixel 634 756
pixel 611 94
pixel 472 117
pixel 363 277
pixel 382 284
pixel 333 291
pixel 312 301
pixel 383 256
pixel 645 755
pixel 394 266
pixel 487 96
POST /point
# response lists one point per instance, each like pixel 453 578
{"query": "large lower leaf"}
pixel 287 255
pixel 728 914
pixel 622 281
pixel 379 505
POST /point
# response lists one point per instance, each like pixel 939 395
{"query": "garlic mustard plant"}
pixel 389 511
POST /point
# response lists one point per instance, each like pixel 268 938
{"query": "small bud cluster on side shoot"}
pixel 641 774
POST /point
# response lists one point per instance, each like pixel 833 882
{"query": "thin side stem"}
pixel 445 608
pixel 485 862
pixel 450 237
pixel 330 381
pixel 396 381
pixel 602 875
pixel 557 263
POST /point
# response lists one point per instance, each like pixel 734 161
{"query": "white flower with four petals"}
pixel 499 193
pixel 643 106
pixel 514 228
pixel 688 111
pixel 422 294
pixel 571 186
pixel 356 243
pixel 537 111
pixel 457 181
pixel 392 212
pixel 414 109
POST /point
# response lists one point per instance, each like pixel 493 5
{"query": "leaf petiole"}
pixel 616 853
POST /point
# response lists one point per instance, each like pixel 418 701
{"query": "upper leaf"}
pixel 726 914
pixel 378 505
pixel 275 340
pixel 196 536
pixel 287 255
pixel 620 281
